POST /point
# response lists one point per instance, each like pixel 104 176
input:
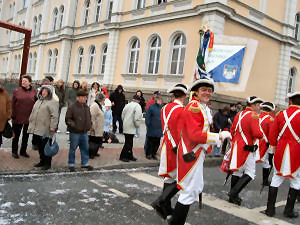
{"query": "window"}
pixel 10 11
pixel 134 56
pixel 178 54
pixel 98 10
pixel 61 16
pixel 19 63
pixel 80 60
pixel 297 27
pixel 154 55
pixel 15 70
pixel 39 25
pixel 25 4
pixel 13 8
pixel 34 26
pixel 140 4
pixel 86 12
pixel 55 54
pixel 103 60
pixel 29 63
pixel 49 61
pixel 110 9
pixel 3 65
pixel 292 80
pixel 161 1
pixel 34 62
pixel 92 55
pixel 55 14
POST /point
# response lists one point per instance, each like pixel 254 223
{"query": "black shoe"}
pixel 97 154
pixel 25 155
pixel 15 155
pixel 91 157
pixel 272 195
pixel 148 156
pixel 88 167
pixel 38 164
pixel 237 188
pixel 46 167
pixel 159 209
pixel 124 160
pixel 72 169
pixel 133 159
pixel 154 157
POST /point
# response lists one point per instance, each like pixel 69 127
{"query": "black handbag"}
pixel 7 132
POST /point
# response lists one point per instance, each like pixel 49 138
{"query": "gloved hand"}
pixel 224 134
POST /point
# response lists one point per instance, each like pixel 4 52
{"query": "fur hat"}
pixel 206 82
pixel 179 87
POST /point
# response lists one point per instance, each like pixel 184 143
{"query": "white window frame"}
pixel 29 63
pixel 54 60
pixel 15 64
pixel 157 51
pixel 80 58
pixel 34 26
pixel 110 9
pixel 134 51
pixel 49 61
pixel 91 59
pixel 103 58
pixel 292 80
pixel 86 12
pixel 39 24
pixel 297 26
pixel 19 63
pixel 3 65
pixel 34 60
pixel 98 8
pixel 181 48
pixel 61 16
pixel 54 19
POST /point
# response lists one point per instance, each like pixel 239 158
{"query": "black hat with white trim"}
pixel 206 82
pixel 179 87
pixel 254 99
pixel 268 105
pixel 290 95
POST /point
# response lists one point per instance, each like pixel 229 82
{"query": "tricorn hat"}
pixel 293 94
pixel 81 93
pixel 179 87
pixel 268 105
pixel 254 99
pixel 203 82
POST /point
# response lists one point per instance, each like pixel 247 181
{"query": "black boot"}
pixel 200 201
pixel 179 215
pixel 289 207
pixel 234 192
pixel 266 172
pixel 234 180
pixel 298 197
pixel 272 195
pixel 162 205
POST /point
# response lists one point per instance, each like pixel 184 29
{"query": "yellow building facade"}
pixel 153 44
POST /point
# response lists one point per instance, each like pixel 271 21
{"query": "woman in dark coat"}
pixel 142 104
pixel 5 110
pixel 60 92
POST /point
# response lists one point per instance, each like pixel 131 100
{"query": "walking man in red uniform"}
pixel 245 130
pixel 170 117
pixel 195 139
pixel 284 135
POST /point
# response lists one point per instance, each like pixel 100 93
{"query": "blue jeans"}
pixel 216 150
pixel 81 141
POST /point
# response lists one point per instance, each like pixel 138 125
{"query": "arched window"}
pixel 140 4
pixel 103 59
pixel 55 55
pixel 297 27
pixel 29 63
pixel 39 25
pixel 49 61
pixel 98 10
pixel 80 59
pixel 154 56
pixel 55 15
pixel 134 56
pixel 10 11
pixel 86 12
pixel 34 26
pixel 61 16
pixel 110 8
pixel 292 80
pixel 34 62
pixel 13 8
pixel 92 56
pixel 178 54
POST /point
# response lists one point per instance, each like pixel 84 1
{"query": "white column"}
pixel 65 57
pixel 39 63
pixel 45 17
pixel 112 51
pixel 70 16
pixel 28 13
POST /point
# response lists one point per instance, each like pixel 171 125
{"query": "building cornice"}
pixel 295 53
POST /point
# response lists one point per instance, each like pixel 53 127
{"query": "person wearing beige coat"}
pixel 96 132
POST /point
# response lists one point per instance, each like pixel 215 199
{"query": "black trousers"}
pixel 152 145
pixel 126 152
pixel 45 160
pixel 1 139
pixel 94 145
pixel 119 119
pixel 17 128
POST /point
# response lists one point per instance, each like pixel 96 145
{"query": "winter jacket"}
pixel 44 114
pixel 220 121
pixel 131 116
pixel 150 102
pixel 108 119
pixel 78 118
pixel 5 109
pixel 119 102
pixel 97 117
pixel 153 121
pixel 22 103
pixel 92 96
pixel 72 96
pixel 61 94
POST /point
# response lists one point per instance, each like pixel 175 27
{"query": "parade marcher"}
pixel 263 154
pixel 170 117
pixel 61 94
pixel 132 116
pixel 5 110
pixel 43 122
pixel 284 137
pixel 78 120
pixel 22 103
pixel 95 90
pixel 117 99
pixel 245 130
pixel 96 131
pixel 195 138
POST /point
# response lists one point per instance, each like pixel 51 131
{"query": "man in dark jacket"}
pixel 117 99
pixel 154 129
pixel 78 120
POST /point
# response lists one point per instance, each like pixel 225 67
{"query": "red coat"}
pixel 265 126
pixel 195 130
pixel 251 130
pixel 287 152
pixel 168 157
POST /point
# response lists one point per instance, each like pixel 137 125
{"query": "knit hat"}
pixel 107 102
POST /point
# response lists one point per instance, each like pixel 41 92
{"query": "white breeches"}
pixel 248 168
pixel 266 161
pixel 294 182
